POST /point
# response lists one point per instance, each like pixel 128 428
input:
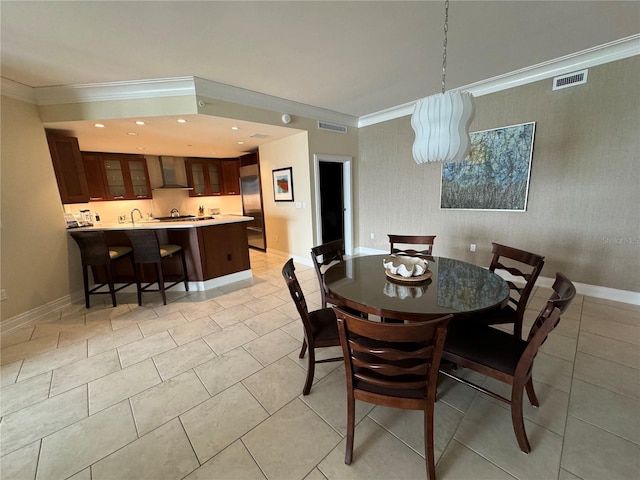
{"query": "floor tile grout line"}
pixel 602 429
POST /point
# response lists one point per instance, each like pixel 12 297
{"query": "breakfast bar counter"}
pixel 216 249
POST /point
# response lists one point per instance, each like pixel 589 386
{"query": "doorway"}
pixel 333 200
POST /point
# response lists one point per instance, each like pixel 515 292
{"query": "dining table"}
pixel 454 287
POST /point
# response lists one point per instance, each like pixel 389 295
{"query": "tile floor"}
pixel 209 387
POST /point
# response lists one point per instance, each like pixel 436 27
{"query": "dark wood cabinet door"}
pixel 223 249
pixel 94 171
pixel 116 176
pixel 68 167
pixel 138 176
pixel 204 176
pixel 230 177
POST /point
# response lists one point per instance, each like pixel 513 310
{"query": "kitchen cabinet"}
pixel 204 176
pixel 68 167
pixel 115 176
pixel 94 173
pixel 223 249
pixel 230 176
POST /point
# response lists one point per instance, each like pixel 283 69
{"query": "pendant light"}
pixel 441 121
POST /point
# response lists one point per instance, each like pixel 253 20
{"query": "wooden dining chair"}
pixel 148 250
pixel 425 240
pixel 513 261
pixel 319 326
pixel 94 252
pixel 505 357
pixel 325 256
pixel 395 365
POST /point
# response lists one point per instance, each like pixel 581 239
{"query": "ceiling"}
pixel 351 57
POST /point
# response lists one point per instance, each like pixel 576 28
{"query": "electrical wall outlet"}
pixel 3 294
pixel 472 247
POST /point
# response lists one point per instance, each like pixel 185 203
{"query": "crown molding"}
pixel 126 90
pixel 16 90
pixel 182 86
pixel 609 52
pixel 173 87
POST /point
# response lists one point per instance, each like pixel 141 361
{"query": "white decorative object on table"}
pixel 404 266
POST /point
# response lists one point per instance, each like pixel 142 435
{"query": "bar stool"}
pixel 95 253
pixel 147 249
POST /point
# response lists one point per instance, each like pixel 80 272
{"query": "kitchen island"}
pixel 216 249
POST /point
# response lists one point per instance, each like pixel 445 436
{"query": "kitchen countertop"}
pixel 157 224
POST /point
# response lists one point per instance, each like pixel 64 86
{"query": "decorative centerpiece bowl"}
pixel 406 269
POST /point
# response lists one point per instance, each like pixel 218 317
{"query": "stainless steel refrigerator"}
pixel 252 205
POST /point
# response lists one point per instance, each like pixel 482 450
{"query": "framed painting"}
pixel 283 184
pixel 495 176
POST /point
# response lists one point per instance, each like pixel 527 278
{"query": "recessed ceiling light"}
pixel 240 143
pixel 140 148
pixel 182 120
pixel 139 122
pixel 98 125
pixel 234 128
pixel 133 134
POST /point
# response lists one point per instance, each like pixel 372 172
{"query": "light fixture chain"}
pixel 444 43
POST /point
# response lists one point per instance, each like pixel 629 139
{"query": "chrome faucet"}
pixel 175 213
pixel 139 213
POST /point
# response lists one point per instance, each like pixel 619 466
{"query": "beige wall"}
pixel 289 229
pixel 36 264
pixel 584 193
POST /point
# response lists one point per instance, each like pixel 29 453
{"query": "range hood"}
pixel 169 180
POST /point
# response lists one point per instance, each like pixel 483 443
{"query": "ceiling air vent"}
pixel 570 79
pixel 332 127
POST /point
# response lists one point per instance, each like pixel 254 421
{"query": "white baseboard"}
pixel 27 318
pixel 30 316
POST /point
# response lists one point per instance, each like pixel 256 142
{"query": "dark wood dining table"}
pixel 455 287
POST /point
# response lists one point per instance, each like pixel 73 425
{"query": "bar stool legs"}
pixel 147 250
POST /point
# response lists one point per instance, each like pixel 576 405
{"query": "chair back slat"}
pixel 396 357
pixel 426 240
pixel 391 353
pixel 563 294
pixel 522 257
pixel 324 256
pixel 289 274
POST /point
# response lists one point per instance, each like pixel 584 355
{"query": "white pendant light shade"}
pixel 441 123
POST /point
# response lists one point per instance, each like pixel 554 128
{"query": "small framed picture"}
pixel 283 184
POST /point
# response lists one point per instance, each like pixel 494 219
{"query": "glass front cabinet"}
pixel 204 175
pixel 113 176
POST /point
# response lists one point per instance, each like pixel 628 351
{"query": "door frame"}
pixel 347 194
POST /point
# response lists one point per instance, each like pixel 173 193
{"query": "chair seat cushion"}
pixel 496 316
pixel 324 323
pixel 118 251
pixel 166 250
pixel 484 345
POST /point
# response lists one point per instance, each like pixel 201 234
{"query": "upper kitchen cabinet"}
pixel 230 176
pixel 68 167
pixel 204 176
pixel 114 176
